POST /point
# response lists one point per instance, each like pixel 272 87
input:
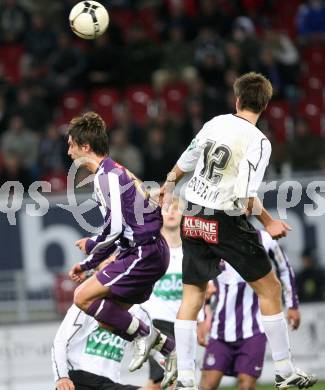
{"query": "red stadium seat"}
pixel 190 6
pixel 63 291
pixel 314 90
pixel 10 57
pixel 104 101
pixel 314 116
pixel 277 115
pixel 139 98
pixel 284 16
pixel 314 58
pixel 57 179
pixel 72 105
pixel 124 19
pixel 147 16
pixel 174 95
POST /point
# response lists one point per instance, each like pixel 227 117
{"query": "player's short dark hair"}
pixel 90 129
pixel 253 91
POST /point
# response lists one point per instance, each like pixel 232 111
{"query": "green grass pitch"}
pixel 318 386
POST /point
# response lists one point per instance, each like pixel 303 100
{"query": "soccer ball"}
pixel 89 19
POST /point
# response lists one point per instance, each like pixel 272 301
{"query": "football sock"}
pixel 165 345
pixel 120 320
pixel 186 340
pixel 276 331
pixel 137 328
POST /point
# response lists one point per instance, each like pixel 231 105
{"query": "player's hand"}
pixel 202 332
pixel 211 289
pixel 161 195
pixel 277 229
pixel 76 274
pixel 293 317
pixel 166 195
pixel 81 244
pixel 65 384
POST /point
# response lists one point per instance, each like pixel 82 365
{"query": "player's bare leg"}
pixel 268 290
pixel 192 301
pixel 210 379
pixel 88 292
pixel 186 335
pixel 246 382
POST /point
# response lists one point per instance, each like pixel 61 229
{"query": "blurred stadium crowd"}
pixel 162 70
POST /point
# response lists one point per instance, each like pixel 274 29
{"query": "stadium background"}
pixel 162 70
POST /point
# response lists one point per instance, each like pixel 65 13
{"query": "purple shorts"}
pixel 132 276
pixel 245 356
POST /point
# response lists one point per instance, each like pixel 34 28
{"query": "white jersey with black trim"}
pixel 166 297
pixel 229 157
pixel 81 344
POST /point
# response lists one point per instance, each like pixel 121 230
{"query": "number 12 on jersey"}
pixel 216 159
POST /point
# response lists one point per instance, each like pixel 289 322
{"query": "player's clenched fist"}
pixel 81 244
pixel 293 316
pixel 65 384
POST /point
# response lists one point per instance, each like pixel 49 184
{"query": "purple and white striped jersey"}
pixel 236 315
pixel 130 217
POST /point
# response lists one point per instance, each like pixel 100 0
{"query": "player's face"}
pixel 172 218
pixel 75 151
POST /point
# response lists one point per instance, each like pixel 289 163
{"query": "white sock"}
pixel 276 331
pixel 134 326
pixel 186 340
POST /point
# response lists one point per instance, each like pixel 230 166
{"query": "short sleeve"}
pixel 188 160
pixel 252 168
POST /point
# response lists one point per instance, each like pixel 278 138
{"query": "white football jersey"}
pixel 229 157
pixel 166 297
pixel 81 344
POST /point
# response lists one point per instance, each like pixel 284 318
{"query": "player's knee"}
pixel 197 304
pixel 244 384
pixel 207 384
pixel 79 300
pixel 189 309
pixel 276 289
pixel 271 290
pixel 194 301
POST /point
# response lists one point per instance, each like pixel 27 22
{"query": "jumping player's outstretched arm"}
pixel 186 163
pixel 166 192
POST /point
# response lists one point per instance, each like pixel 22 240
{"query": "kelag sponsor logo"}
pixel 105 344
pixel 169 287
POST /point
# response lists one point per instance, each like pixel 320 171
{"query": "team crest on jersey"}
pixel 210 360
pixel 195 227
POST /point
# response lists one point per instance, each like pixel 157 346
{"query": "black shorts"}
pixel 156 373
pixel 84 380
pixel 212 235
